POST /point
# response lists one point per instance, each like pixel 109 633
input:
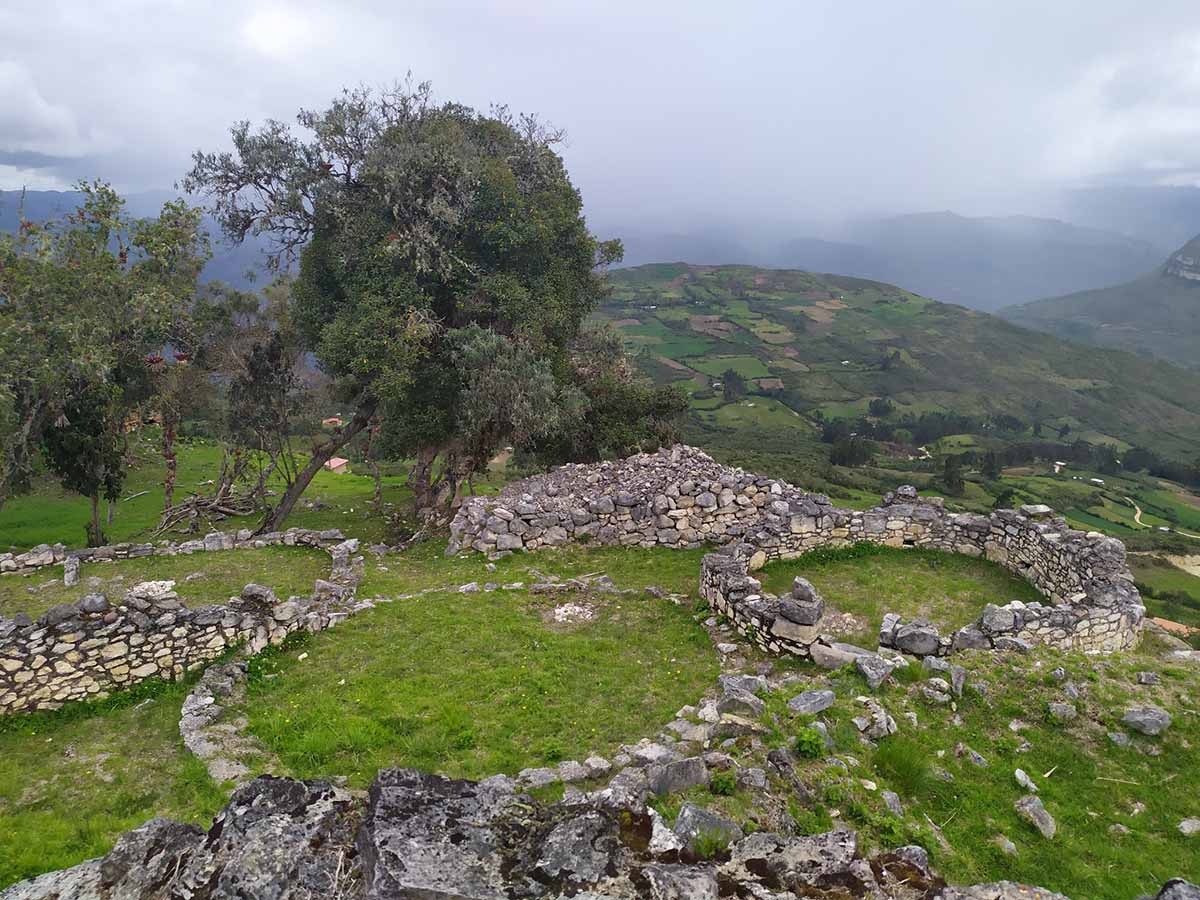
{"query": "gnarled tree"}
pixel 445 270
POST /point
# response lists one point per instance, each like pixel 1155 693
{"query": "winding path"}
pixel 1137 517
pixel 1137 513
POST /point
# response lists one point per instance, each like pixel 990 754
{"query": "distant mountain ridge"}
pixel 820 347
pixel 984 263
pixel 1158 314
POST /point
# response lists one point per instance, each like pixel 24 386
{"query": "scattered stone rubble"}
pixel 84 650
pixel 218 742
pixel 681 498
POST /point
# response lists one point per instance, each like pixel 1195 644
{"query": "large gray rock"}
pixel 802 864
pixel 831 657
pixel 425 836
pixel 1147 719
pixel 741 703
pixel 429 836
pixel 918 639
pixel 1032 810
pixel 71 571
pixel 804 605
pixel 677 776
pixel 694 821
pixel 1178 889
pixel 874 668
pixel 681 883
pixel 810 703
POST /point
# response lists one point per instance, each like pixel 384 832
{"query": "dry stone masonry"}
pixel 45 555
pixel 85 650
pixel 681 497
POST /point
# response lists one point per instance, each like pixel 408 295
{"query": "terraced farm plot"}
pixel 759 412
pixel 746 366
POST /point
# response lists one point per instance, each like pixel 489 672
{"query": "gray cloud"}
pixel 756 112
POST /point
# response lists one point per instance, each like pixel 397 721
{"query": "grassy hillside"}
pixel 1158 314
pixel 822 346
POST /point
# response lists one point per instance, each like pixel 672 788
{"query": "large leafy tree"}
pixel 83 302
pixel 445 271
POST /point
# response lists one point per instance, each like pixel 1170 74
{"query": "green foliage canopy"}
pixel 445 267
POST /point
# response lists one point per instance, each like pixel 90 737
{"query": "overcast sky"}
pixel 786 110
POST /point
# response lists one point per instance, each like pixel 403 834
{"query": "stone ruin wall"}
pixel 681 498
pixel 85 650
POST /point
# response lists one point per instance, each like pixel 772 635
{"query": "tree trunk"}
pixel 420 479
pixel 377 499
pixel 168 452
pixel 321 455
pixel 95 538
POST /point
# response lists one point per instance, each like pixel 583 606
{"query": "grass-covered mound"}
pixel 201 578
pixel 867 580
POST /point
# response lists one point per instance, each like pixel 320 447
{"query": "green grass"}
pixel 72 781
pixel 474 684
pixel 1086 782
pixel 746 366
pixel 950 357
pixel 868 581
pixel 214 577
pixel 1167 590
pixel 50 515
pixel 759 412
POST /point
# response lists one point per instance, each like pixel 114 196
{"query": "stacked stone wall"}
pixel 86 650
pixel 682 498
pixel 45 555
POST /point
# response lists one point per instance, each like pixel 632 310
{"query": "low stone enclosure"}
pixel 84 650
pixel 680 497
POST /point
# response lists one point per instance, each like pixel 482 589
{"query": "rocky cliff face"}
pixel 1185 262
pixel 428 837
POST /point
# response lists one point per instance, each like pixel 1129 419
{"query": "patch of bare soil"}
pixel 770 384
pixel 713 326
pixel 831 304
pixel 790 364
pixel 673 364
pixel 1189 564
pixel 818 314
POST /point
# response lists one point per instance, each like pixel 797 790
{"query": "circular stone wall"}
pixel 681 497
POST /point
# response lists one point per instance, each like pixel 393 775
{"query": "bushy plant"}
pixel 810 743
pixel 723 784
pixel 710 844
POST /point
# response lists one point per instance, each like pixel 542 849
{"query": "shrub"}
pixel 710 844
pixel 723 784
pixel 810 743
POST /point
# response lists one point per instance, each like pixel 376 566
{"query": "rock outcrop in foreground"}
pixel 425 836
